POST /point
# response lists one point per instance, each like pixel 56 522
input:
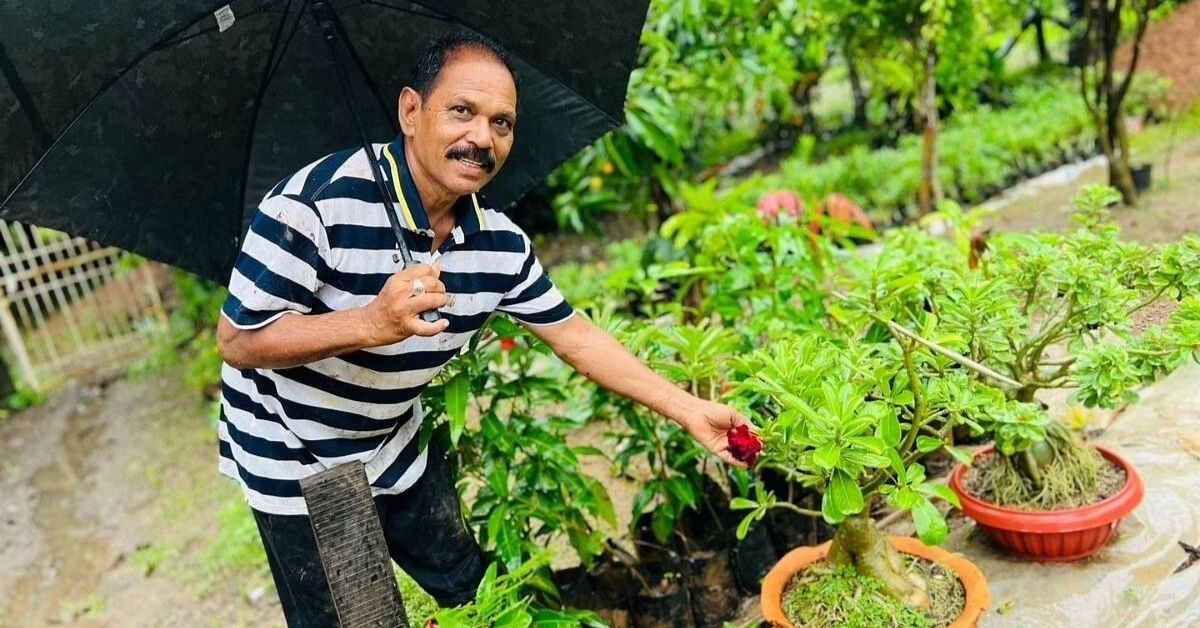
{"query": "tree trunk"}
pixel 1076 49
pixel 856 88
pixel 1105 97
pixel 930 192
pixel 860 544
pixel 1040 30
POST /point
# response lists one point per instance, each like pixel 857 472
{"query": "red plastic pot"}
pixel 1058 535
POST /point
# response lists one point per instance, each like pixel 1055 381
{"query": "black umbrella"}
pixel 157 125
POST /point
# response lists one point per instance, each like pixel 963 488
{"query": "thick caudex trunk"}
pixel 860 544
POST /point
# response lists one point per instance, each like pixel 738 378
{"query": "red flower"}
pixel 743 445
pixel 508 344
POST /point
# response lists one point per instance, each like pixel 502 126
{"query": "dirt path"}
pixel 1171 209
pixel 90 484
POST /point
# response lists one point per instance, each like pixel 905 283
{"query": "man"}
pixel 326 353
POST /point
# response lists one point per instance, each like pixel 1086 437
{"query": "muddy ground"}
pixel 108 497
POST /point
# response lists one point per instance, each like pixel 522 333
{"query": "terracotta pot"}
pixel 978 595
pixel 1057 535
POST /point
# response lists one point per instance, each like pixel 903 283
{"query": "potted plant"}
pixel 852 420
pixel 1028 312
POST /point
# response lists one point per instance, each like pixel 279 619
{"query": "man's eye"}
pixel 460 110
pixel 503 123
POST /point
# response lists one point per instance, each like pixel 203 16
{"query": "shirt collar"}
pixel 469 214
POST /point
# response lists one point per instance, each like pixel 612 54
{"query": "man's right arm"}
pixel 292 340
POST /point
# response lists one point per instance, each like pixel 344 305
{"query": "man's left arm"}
pixel 598 356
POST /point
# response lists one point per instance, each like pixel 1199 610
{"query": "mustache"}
pixel 475 154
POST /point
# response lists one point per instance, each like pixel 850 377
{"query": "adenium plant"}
pixel 852 419
pixel 1026 312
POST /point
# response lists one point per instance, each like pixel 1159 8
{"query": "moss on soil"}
pixel 821 597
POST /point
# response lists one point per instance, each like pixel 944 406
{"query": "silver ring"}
pixel 418 288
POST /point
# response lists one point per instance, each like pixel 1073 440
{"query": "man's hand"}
pixel 709 423
pixel 395 314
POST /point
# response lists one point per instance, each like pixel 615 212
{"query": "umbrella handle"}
pixel 429 316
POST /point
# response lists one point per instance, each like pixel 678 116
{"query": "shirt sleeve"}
pixel 533 299
pixel 278 270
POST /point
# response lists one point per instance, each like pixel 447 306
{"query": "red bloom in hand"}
pixel 743 445
pixel 508 344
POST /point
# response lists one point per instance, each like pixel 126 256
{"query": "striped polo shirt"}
pixel 321 242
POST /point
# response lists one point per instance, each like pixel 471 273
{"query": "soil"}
pixel 1110 481
pixel 946 594
pixel 1170 50
pixel 84 484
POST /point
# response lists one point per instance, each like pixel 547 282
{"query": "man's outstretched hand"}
pixel 710 424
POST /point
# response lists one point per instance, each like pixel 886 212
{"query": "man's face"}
pixel 461 135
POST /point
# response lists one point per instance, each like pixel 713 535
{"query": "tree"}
pixel 1103 87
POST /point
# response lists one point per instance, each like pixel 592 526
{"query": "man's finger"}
pixel 429 301
pixel 421 328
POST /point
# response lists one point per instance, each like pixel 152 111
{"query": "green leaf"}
pixel 741 503
pixel 829 511
pixel 457 392
pixel 896 461
pixel 827 456
pixel 846 495
pixel 662 522
pixel 889 430
pixel 962 456
pixel 931 527
pixel 926 444
pixel 683 490
pixel 744 527
pixel 940 491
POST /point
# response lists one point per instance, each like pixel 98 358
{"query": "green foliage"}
pixel 982 150
pixel 1080 292
pixel 235 546
pixel 507 601
pixel 530 483
pixel 705 67
pixel 852 422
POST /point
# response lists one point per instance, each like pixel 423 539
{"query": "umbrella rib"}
pixel 26 101
pixel 616 122
pixel 362 68
pixel 258 99
pixel 113 80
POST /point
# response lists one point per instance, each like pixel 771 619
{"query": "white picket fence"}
pixel 70 307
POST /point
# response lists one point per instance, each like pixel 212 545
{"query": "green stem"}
pixel 960 359
pixel 796 509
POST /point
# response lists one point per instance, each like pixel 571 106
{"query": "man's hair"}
pixel 433 58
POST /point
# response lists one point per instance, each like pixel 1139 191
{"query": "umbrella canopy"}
pixel 157 125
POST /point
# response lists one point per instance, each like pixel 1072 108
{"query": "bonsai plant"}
pixel 853 420
pixel 1033 312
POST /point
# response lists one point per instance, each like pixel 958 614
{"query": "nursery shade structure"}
pixel 157 125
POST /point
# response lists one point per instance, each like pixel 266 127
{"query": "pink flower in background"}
pixel 774 204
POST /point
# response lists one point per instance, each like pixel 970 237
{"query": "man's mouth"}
pixel 474 158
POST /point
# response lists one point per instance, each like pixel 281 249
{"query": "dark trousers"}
pixel 425 533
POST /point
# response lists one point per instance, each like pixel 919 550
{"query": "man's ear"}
pixel 409 108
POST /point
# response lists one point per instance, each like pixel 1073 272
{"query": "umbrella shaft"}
pixel 329 31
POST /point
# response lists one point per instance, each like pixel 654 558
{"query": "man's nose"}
pixel 480 133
